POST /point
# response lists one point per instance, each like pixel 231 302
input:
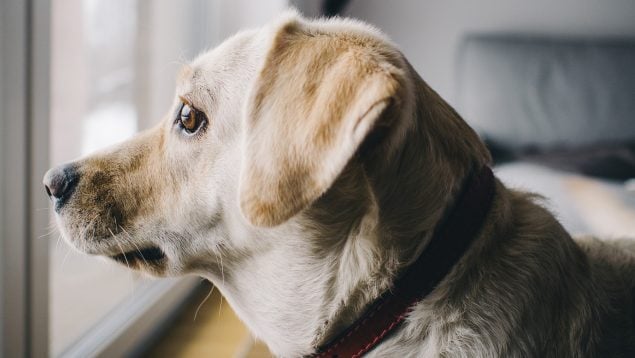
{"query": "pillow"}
pixel 536 92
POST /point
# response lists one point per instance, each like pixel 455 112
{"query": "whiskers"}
pixel 219 257
pixel 209 294
pixel 51 229
pixel 131 241
pixel 68 251
pixel 123 253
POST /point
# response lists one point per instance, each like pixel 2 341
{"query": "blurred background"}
pixel 549 84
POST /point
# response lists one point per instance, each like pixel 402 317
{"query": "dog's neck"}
pixel 324 268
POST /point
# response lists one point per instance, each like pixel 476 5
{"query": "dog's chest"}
pixel 427 334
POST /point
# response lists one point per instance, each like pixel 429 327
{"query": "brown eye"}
pixel 189 119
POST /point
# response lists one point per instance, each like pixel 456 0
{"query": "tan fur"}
pixel 316 98
pixel 324 170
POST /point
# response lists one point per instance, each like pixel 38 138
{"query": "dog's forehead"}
pixel 231 61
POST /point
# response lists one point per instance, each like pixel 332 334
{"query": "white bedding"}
pixel 583 205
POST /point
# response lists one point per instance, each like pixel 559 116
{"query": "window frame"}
pixel 23 159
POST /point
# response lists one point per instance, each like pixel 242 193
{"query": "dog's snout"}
pixel 59 183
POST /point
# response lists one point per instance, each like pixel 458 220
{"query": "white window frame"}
pixel 24 82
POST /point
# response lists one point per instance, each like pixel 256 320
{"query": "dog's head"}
pixel 260 128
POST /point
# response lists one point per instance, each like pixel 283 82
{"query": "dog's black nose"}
pixel 59 182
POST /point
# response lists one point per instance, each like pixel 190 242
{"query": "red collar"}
pixel 450 241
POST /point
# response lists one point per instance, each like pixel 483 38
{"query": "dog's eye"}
pixel 190 119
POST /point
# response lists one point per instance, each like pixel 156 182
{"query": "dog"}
pixel 302 168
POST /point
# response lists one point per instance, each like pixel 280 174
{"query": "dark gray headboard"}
pixel 521 91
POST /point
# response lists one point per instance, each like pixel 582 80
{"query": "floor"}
pixel 213 331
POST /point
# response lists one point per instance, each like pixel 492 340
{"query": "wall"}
pixel 428 31
pixel 242 14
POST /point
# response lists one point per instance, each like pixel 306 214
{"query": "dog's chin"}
pixel 149 259
pixel 150 254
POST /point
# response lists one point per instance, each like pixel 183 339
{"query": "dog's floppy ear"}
pixel 316 98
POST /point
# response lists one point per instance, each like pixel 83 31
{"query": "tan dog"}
pixel 301 168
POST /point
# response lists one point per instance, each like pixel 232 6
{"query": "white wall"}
pixel 241 14
pixel 428 31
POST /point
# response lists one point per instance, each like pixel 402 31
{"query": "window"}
pixel 76 75
pixel 113 67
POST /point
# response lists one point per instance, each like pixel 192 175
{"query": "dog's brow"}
pixel 185 100
pixel 185 73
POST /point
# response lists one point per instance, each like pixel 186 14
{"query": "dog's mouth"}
pixel 147 255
